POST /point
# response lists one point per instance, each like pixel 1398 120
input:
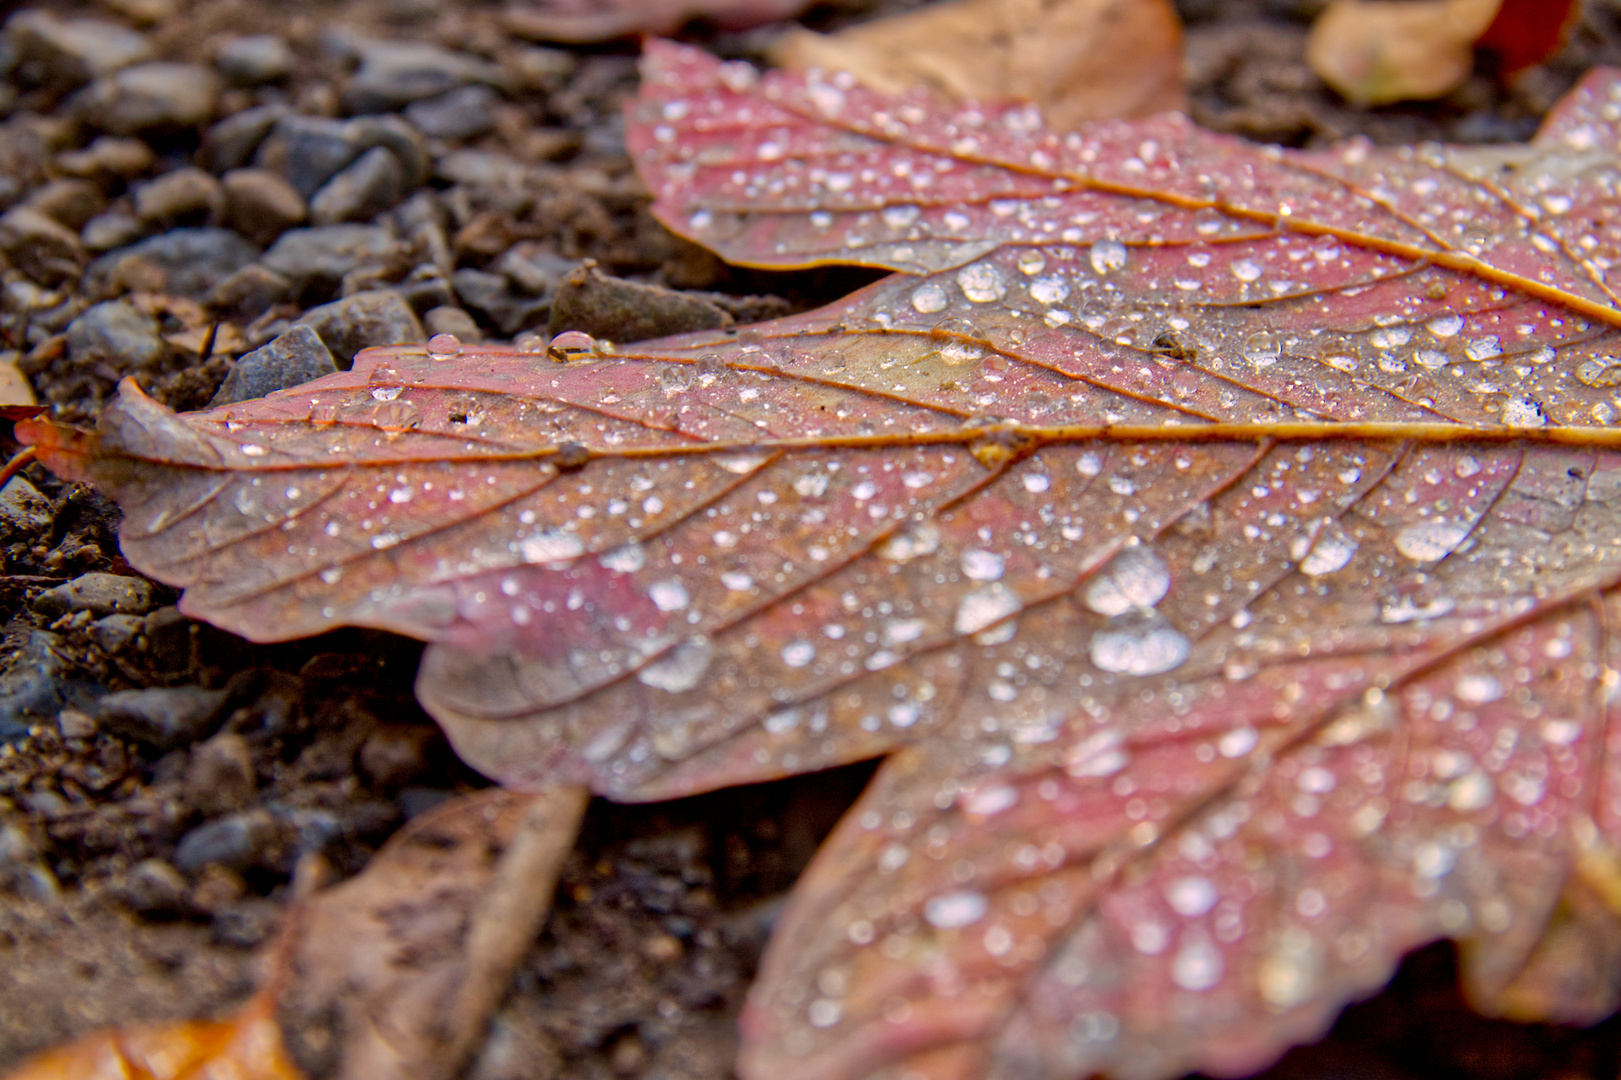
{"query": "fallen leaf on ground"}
pixel 245 1047
pixel 582 21
pixel 396 972
pixel 1222 541
pixel 1374 52
pixel 1076 60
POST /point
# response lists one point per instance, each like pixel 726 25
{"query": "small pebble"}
pixel 114 229
pixel 249 293
pixel 374 317
pixel 452 322
pixel 396 73
pixel 114 331
pixel 464 113
pixel 73 724
pixel 231 143
pixel 108 156
pixel 236 842
pixel 41 247
pixel 220 777
pixel 326 253
pixel 113 634
pixel 69 201
pixel 97 593
pixel 254 60
pixel 23 509
pixel 261 205
pixel 70 52
pixel 180 262
pixel 153 887
pixel 164 717
pixel 151 96
pixel 292 359
pixel 364 189
pixel 187 196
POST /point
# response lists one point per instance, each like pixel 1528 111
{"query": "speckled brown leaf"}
pixel 395 972
pixel 581 21
pixel 1223 541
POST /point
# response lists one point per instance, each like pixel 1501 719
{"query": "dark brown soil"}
pixel 663 909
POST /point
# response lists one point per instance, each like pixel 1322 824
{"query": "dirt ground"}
pixel 140 871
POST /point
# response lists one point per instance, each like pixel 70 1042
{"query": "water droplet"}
pixel 1261 348
pixel 1478 689
pixel 1049 290
pixel 951 911
pixel 1523 412
pixel 1099 754
pixel 1197 965
pixel 529 343
pixel 1483 348
pixel 1390 337
pixel 908 544
pixel 1444 326
pixel 1031 262
pixel 1332 550
pixel 1139 645
pixel 1246 270
pixel 1600 371
pixel 986 606
pixel 1290 972
pixel 1431 358
pixel 982 565
pixel 1474 791
pixel 571 346
pixel 991 800
pixel 679 670
pixel 737 581
pixel 1191 896
pixel 1136 578
pixel 554 545
pixel 1427 541
pixel 981 282
pixel 1238 742
pixel 929 297
pixel 798 654
pixel 626 559
pixel 1036 483
pixel 899 217
pixel 386 393
pixel 444 347
pixel 1150 938
pixel 1107 255
pixel 668 595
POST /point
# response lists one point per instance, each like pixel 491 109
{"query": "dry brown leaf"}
pixel 580 21
pixel 1375 52
pixel 395 972
pixel 1075 59
pixel 246 1047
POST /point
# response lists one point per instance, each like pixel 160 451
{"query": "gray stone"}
pixel 114 229
pixel 153 887
pixel 426 288
pixel 292 359
pixel 255 59
pixel 115 331
pixel 150 96
pixel 190 261
pixel 238 841
pixel 99 594
pixel 454 321
pixel 71 52
pixel 396 73
pixel 231 143
pixel 220 776
pixel 372 184
pixel 542 69
pixel 533 269
pixel 109 156
pixel 249 293
pixel 165 716
pixel 22 870
pixel 41 247
pixel 374 317
pixel 188 195
pixel 405 141
pixel 479 169
pixel 307 151
pixel 328 252
pixel 31 687
pixel 489 295
pixel 261 205
pixel 23 510
pixel 463 113
pixel 115 633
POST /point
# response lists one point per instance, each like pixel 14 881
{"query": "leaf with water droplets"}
pixel 1223 542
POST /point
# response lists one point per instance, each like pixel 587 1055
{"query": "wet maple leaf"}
pixel 1222 541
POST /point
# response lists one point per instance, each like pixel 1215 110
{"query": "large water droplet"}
pixel 668 595
pixel 554 545
pixel 679 670
pixel 1427 541
pixel 929 297
pixel 1197 965
pixel 950 911
pixel 1191 896
pixel 985 606
pixel 1108 255
pixel 1049 290
pixel 1135 578
pixel 981 282
pixel 982 565
pixel 1139 645
pixel 1331 551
